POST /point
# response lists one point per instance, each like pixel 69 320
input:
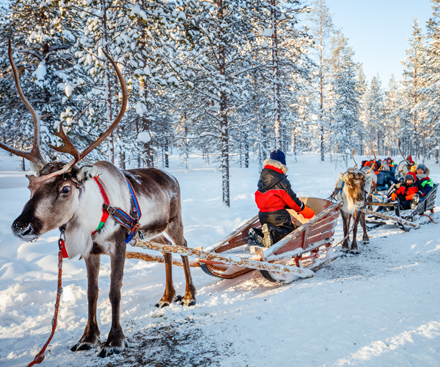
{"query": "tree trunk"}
pixel 276 78
pixel 167 162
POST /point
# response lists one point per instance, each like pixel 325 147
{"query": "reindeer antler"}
pixel 34 155
pixel 36 182
pixel 352 156
pixel 400 150
pixel 373 164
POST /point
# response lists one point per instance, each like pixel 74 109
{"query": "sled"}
pixel 298 255
pixel 307 247
pixel 404 219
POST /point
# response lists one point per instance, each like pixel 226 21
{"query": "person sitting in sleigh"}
pixel 408 194
pixel 425 183
pixel 273 197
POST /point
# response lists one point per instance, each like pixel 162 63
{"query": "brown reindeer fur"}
pixel 81 209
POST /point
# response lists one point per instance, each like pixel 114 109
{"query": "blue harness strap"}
pixel 129 221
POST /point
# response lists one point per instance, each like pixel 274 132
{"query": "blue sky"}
pixel 377 31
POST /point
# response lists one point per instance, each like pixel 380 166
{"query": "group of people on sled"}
pixel 275 195
pixel 408 190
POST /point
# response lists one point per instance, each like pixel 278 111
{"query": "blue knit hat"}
pixel 279 156
pixel 422 166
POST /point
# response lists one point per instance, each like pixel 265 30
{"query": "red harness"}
pixel 105 213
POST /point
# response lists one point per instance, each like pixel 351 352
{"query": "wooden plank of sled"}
pixel 393 218
pixel 276 248
pixel 231 260
pixel 298 243
pixel 228 246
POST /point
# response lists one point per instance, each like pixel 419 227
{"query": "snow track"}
pixel 379 308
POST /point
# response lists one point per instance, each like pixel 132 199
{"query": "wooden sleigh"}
pixel 297 255
pixel 404 219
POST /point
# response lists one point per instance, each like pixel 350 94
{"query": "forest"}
pixel 229 80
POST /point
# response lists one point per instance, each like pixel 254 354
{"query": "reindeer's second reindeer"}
pixel 355 187
pixel 71 197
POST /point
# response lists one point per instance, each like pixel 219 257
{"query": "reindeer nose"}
pixel 20 229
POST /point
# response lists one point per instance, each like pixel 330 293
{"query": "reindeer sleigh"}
pixel 298 255
pixel 381 212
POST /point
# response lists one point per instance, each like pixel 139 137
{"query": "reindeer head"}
pixel 357 183
pixel 56 189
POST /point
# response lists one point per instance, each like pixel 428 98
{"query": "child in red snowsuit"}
pixel 408 193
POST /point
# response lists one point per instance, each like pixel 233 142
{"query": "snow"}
pixel 40 72
pixel 144 137
pixel 379 308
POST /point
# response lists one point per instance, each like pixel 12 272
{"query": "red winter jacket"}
pixel 407 192
pixel 275 193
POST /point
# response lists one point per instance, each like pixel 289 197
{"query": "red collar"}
pixel 106 201
pixel 274 169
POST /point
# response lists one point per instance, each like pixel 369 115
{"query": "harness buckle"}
pixel 110 210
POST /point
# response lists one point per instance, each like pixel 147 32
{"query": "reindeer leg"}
pixel 116 341
pixel 365 238
pixel 354 246
pixel 90 338
pixel 346 225
pixel 175 231
pixel 170 293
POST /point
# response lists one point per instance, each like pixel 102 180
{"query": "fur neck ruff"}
pixel 277 164
pixel 422 176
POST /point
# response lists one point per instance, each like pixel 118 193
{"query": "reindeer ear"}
pixel 342 176
pixel 86 173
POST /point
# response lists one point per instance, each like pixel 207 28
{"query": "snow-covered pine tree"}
pixel 346 112
pixel 392 102
pixel 322 30
pixel 374 116
pixel 215 70
pixel 431 99
pixel 45 54
pixel 414 82
pixel 286 56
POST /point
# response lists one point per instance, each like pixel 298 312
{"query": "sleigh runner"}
pixel 296 256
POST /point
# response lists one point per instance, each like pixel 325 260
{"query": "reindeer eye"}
pixel 65 190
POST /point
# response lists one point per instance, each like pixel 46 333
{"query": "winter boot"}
pixel 415 201
pixel 256 239
pixel 267 240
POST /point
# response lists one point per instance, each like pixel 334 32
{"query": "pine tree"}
pixel 414 81
pixel 322 30
pixel 346 113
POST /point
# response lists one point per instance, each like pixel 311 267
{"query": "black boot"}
pixel 255 238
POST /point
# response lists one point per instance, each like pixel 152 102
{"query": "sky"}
pixel 378 30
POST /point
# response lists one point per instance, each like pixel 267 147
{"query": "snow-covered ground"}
pixel 380 308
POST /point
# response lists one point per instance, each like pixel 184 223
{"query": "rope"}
pixel 426 215
pixel 40 356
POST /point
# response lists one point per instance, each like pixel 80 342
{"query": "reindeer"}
pixel 74 199
pixel 355 187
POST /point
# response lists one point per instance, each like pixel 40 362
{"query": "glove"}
pixel 307 212
pixel 409 197
pixel 393 196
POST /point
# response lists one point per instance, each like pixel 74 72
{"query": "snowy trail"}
pixel 379 308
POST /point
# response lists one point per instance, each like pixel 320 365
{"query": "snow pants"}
pixel 279 223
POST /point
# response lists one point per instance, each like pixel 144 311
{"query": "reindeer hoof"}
pixel 178 299
pixel 188 302
pixel 365 242
pixel 345 250
pixel 81 346
pixel 355 252
pixel 161 304
pixel 109 350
